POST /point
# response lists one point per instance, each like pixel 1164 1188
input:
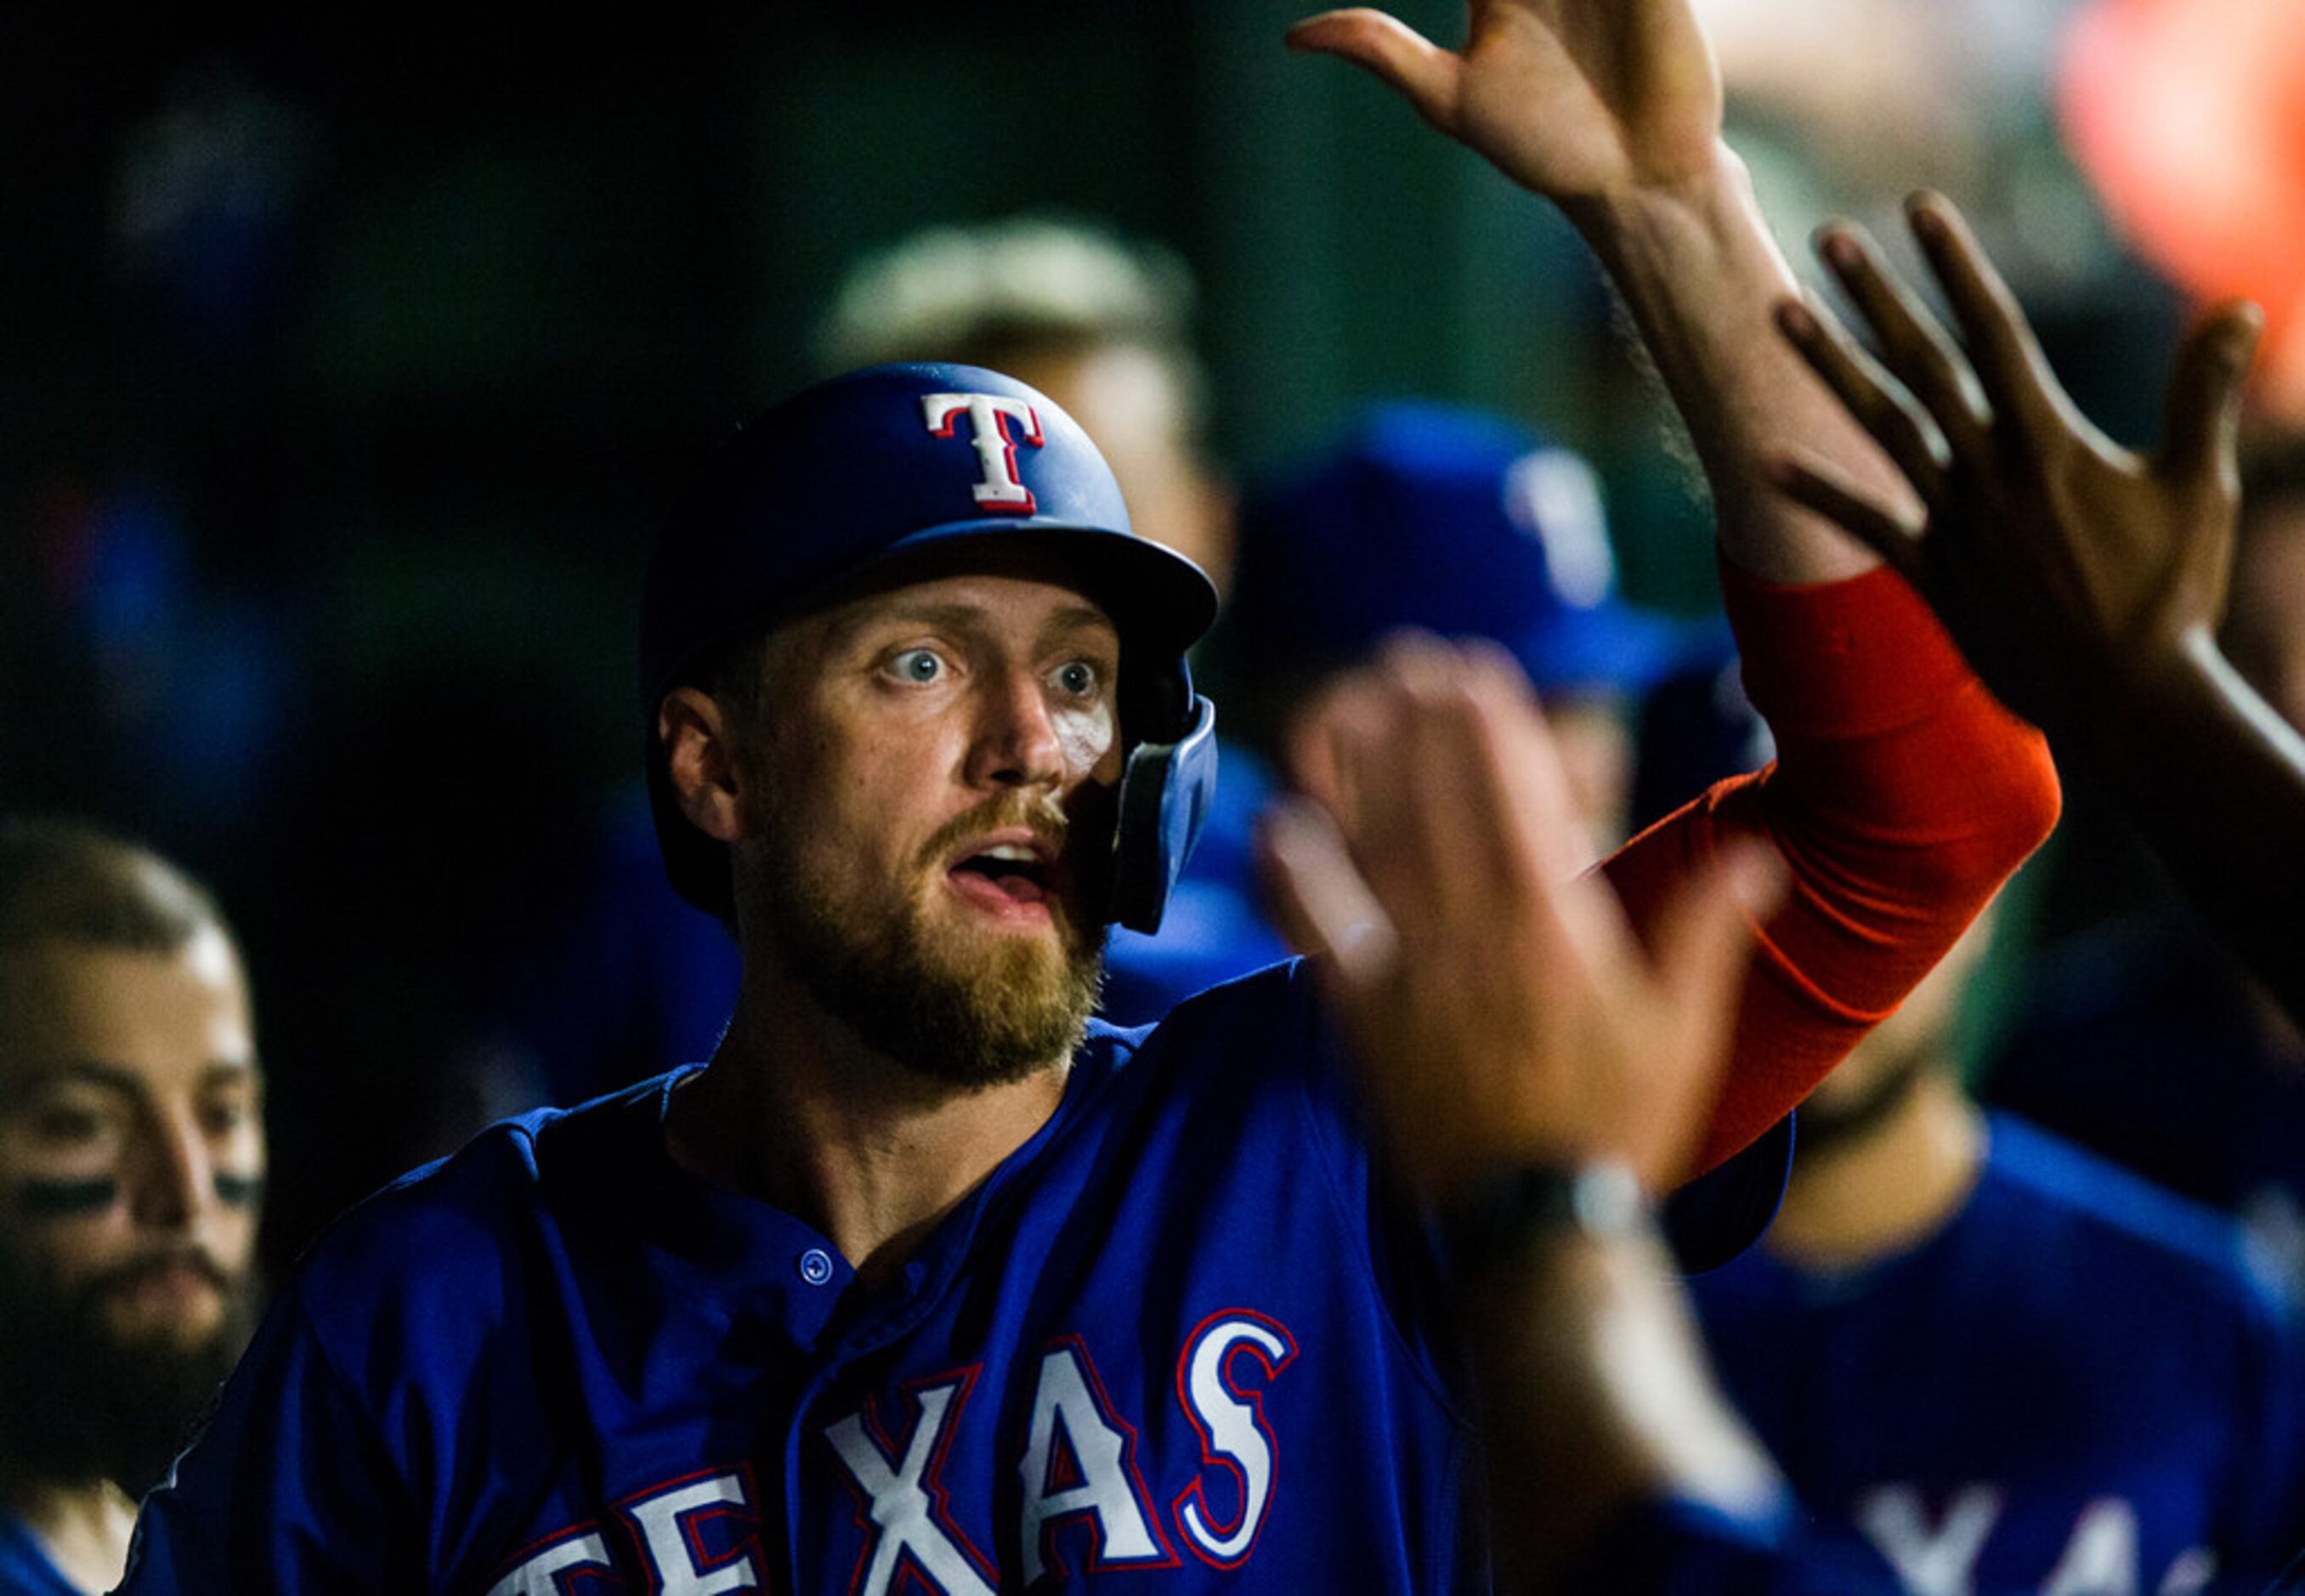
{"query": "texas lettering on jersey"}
pixel 1075 1460
pixel 1936 1551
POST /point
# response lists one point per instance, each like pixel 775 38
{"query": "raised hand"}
pixel 1576 100
pixel 1500 1008
pixel 2054 556
pixel 2083 581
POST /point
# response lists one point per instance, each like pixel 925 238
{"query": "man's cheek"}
pixel 48 1199
pixel 1091 740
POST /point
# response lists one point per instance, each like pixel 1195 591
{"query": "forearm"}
pixel 2214 780
pixel 1902 796
pixel 1595 1399
pixel 1700 274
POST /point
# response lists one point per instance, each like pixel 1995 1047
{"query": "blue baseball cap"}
pixel 1450 519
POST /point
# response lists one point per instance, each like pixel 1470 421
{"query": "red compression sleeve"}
pixel 1901 796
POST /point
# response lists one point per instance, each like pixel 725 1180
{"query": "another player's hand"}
pixel 1500 1004
pixel 2054 556
pixel 1576 100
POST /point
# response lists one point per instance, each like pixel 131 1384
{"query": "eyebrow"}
pixel 1072 617
pixel 1076 618
pixel 113 1077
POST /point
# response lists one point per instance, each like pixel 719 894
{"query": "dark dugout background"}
pixel 349 353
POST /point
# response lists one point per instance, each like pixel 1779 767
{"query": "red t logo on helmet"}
pixel 989 415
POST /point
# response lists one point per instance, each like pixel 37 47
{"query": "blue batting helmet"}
pixel 1450 519
pixel 934 466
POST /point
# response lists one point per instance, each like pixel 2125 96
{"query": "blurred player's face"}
pixel 935 786
pixel 1127 399
pixel 132 1160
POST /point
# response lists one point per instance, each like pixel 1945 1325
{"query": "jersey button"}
pixel 816 1266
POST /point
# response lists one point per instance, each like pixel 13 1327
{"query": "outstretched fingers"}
pixel 1914 348
pixel 1909 436
pixel 2003 354
pixel 1422 760
pixel 1422 73
pixel 2205 398
pixel 1525 803
pixel 1353 753
pixel 1436 769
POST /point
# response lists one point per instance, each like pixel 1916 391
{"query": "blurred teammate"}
pixel 2146 1040
pixel 1100 324
pixel 1939 1339
pixel 1446 518
pixel 132 1166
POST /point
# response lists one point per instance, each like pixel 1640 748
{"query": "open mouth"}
pixel 1011 870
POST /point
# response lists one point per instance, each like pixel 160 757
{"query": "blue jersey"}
pixel 1180 1332
pixel 25 1569
pixel 2080 1385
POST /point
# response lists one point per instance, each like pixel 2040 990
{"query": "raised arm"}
pixel 1614 111
pixel 2083 581
pixel 1902 796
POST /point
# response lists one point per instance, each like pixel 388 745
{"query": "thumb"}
pixel 2204 392
pixel 1424 74
pixel 1703 940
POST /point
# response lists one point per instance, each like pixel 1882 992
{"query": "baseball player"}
pixel 2095 1052
pixel 1939 1342
pixel 632 976
pixel 926 1280
pixel 132 1162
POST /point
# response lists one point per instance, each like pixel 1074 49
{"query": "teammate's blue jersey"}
pixel 25 1568
pixel 2080 1385
pixel 1180 1332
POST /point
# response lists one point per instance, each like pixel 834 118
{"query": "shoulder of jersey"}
pixel 2121 1204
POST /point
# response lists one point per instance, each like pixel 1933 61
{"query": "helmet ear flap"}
pixel 1165 794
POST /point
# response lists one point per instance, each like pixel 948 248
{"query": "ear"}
pixel 701 762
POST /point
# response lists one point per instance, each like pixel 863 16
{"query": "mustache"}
pixel 152 1265
pixel 1043 817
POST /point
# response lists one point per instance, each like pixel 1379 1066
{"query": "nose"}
pixel 1017 743
pixel 173 1175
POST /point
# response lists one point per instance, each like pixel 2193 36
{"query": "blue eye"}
pixel 918 664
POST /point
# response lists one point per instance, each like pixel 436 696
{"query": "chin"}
pixel 177 1326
